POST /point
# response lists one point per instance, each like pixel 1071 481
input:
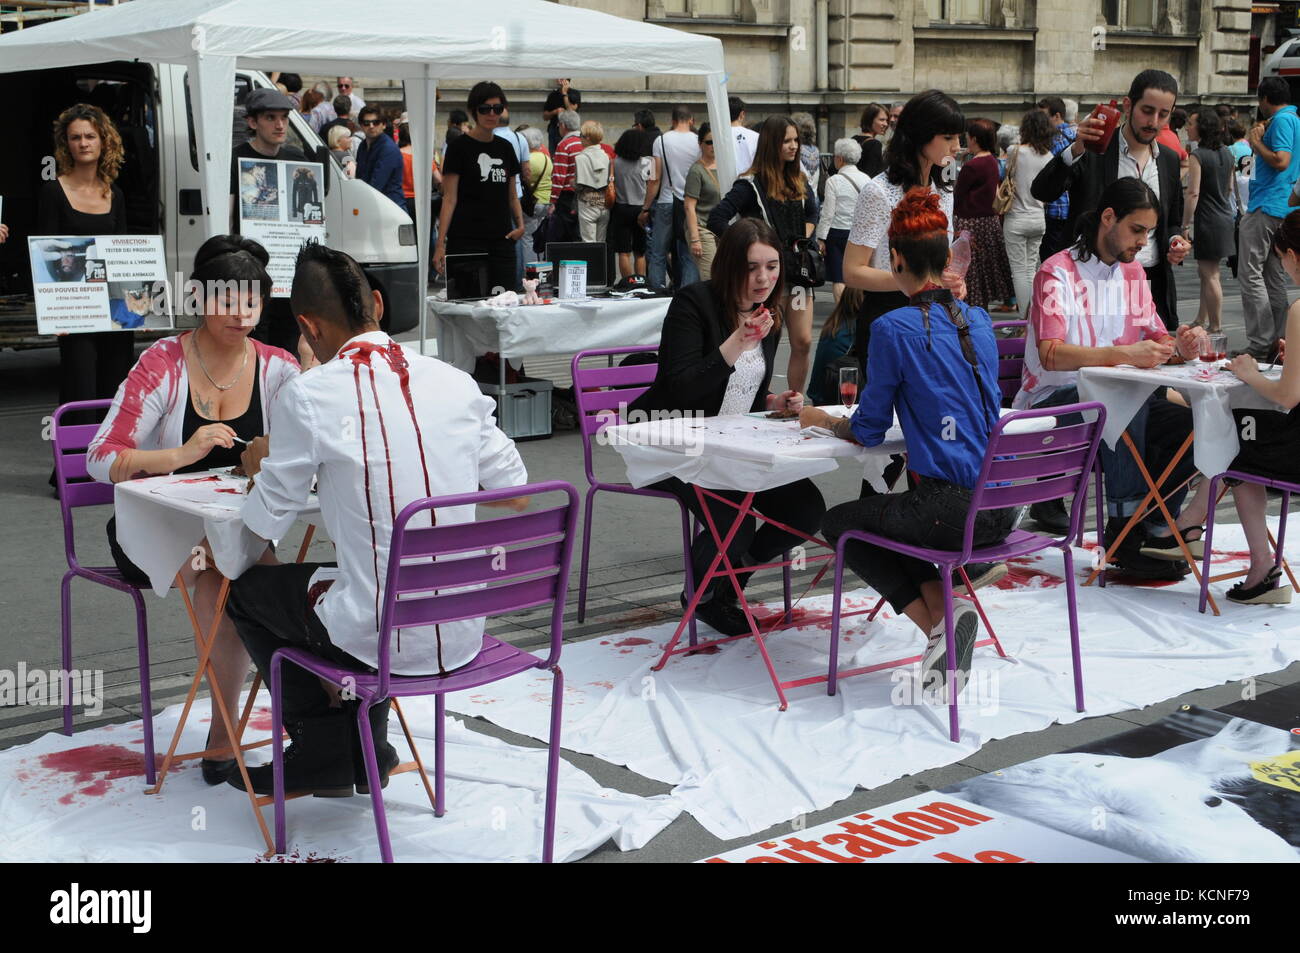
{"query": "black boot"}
pixel 384 752
pixel 318 762
pixel 1051 516
pixel 1130 560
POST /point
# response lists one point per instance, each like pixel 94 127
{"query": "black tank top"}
pixel 247 425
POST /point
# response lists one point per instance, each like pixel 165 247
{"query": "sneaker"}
pixel 1266 593
pixel 1051 516
pixel 1167 548
pixel 934 664
pixel 980 575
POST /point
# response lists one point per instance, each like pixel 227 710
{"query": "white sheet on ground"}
pixel 81 799
pixel 709 724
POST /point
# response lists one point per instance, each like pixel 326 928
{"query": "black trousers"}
pixel 933 515
pixel 1055 237
pixel 91 366
pixel 562 226
pixel 1163 294
pixel 799 505
pixel 270 609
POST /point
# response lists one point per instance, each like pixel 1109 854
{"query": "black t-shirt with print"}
pixel 483 190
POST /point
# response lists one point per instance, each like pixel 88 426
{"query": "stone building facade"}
pixel 996 57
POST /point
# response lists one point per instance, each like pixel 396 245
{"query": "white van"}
pixel 162 185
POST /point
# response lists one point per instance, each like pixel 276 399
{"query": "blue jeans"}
pixel 1169 425
pixel 685 271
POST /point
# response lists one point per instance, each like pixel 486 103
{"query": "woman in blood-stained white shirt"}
pixel 378 427
pixel 180 410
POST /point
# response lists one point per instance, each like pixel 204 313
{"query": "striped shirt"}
pixel 562 179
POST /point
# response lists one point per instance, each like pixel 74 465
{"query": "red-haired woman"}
pixel 716 356
pixel 989 277
pixel 776 190
pixel 942 383
pixel 84 201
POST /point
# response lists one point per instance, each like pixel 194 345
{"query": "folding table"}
pixel 750 453
pixel 1212 393
pixel 160 523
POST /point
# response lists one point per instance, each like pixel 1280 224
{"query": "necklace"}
pixel 202 367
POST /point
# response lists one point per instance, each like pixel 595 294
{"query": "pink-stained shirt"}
pixel 1087 304
pixel 148 412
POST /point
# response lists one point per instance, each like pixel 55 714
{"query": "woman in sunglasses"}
pixel 481 213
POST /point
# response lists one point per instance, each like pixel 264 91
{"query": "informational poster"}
pixel 281 205
pixel 99 283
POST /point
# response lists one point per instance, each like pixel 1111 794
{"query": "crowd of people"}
pixel 1074 223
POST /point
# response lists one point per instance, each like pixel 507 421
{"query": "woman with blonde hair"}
pixel 83 200
pixel 776 190
pixel 593 172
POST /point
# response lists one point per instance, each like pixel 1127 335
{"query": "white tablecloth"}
pixel 1124 389
pixel 467 330
pixel 161 519
pixel 748 452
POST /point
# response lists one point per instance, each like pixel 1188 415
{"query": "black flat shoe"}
pixel 722 616
pixel 217 772
pixel 1051 516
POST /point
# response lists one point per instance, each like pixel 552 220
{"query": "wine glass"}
pixel 1219 343
pixel 848 386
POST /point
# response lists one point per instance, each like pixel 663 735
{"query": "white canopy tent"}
pixel 418 43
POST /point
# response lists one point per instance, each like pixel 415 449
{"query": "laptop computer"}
pixel 467 277
pixel 593 253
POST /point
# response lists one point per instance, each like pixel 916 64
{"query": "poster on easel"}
pixel 281 206
pixel 83 284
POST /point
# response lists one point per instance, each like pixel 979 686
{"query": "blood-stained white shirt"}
pixel 380 427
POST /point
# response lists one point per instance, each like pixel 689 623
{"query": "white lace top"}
pixel 871 216
pixel 746 378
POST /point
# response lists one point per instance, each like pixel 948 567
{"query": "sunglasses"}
pixel 484 109
pixel 708 142
pixel 372 122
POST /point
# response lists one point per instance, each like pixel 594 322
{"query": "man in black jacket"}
pixel 1132 152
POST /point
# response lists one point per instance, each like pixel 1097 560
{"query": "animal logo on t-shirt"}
pixel 489 166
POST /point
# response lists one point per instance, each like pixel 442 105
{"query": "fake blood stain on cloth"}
pixel 297 857
pixel 93 766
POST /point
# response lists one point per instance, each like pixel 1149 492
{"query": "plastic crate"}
pixel 523 409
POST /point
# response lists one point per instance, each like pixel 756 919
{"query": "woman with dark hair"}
pixel 1026 221
pixel 703 192
pixel 776 190
pixel 925 142
pixel 716 357
pixel 633 168
pixel 83 200
pixel 181 409
pixel 989 277
pixel 480 211
pixel 874 124
pixel 933 359
pixel 1208 210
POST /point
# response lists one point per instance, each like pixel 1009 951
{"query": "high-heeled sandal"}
pixel 1266 593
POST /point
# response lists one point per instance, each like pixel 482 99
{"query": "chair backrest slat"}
pixel 464 537
pixel 93 493
pixel 78 436
pixel 1057 439
pixel 1038 465
pixel 495 600
pixel 631 375
pixel 488 567
pixel 597 390
pixel 1020 494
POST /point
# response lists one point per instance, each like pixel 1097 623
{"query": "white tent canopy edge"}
pixel 417 43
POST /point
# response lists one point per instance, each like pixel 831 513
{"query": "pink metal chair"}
pixel 77 489
pixel 1286 488
pixel 1018 469
pixel 518 562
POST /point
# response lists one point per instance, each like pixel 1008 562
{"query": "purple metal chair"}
pixel 600 393
pixel 519 561
pixel 1011 357
pixel 77 489
pixel 1018 469
pixel 1286 488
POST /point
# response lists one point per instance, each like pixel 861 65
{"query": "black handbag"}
pixel 802 263
pixel 528 202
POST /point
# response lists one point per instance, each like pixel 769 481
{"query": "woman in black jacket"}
pixel 776 190
pixel 715 358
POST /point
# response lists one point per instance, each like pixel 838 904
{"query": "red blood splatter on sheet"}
pixel 1119 576
pixel 206 479
pixel 1021 576
pixel 706 650
pixel 296 857
pixel 641 615
pixel 604 642
pixel 1232 554
pixel 799 615
pixel 112 761
pixel 608 685
pixel 225 489
pixel 632 642
pixel 260 720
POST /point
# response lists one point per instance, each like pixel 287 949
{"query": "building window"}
pixel 958 11
pixel 1131 14
pixel 702 8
